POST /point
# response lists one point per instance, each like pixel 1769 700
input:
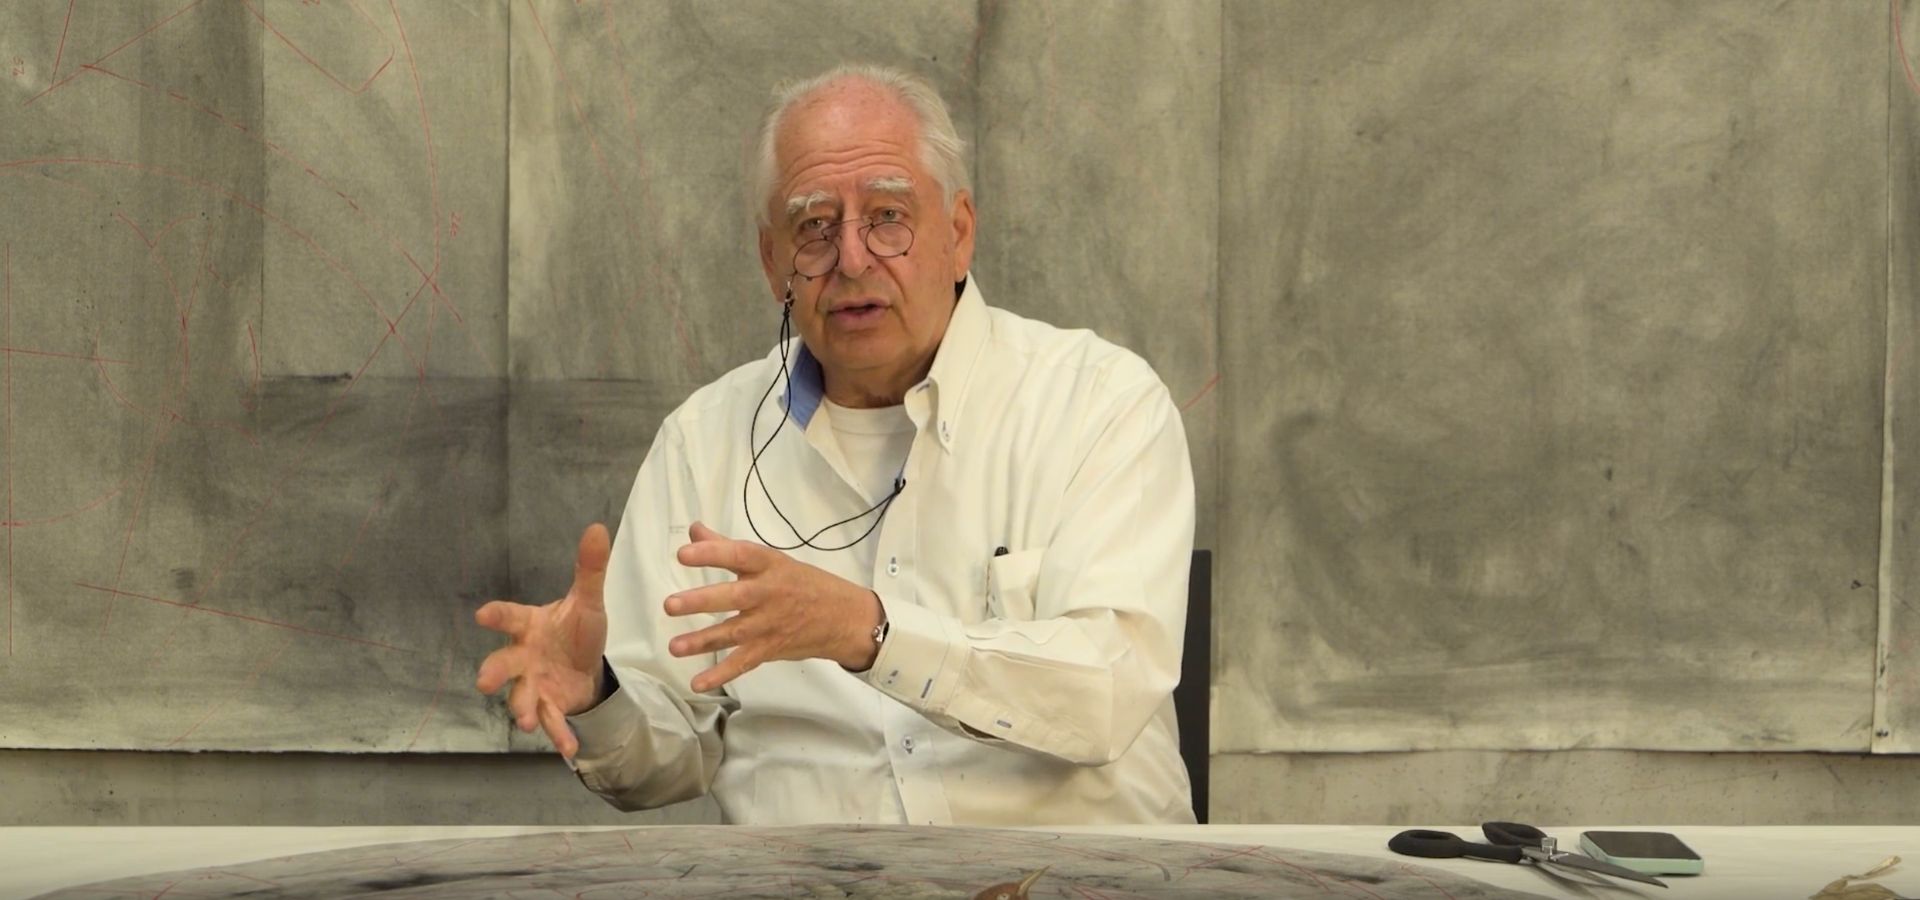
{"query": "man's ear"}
pixel 962 235
pixel 774 281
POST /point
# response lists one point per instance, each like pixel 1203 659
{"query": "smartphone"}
pixel 1650 852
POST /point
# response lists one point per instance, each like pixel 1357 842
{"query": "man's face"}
pixel 852 152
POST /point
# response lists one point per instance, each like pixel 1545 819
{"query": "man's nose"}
pixel 855 258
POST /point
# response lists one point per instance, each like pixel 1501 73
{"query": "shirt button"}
pixel 946 432
pixel 906 743
pixel 893 565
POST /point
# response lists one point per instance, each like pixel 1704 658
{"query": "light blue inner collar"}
pixel 806 386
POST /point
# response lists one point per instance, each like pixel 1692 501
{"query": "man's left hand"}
pixel 784 609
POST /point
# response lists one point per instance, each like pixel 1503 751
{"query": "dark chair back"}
pixel 1191 698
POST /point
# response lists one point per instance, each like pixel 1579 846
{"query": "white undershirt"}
pixel 874 443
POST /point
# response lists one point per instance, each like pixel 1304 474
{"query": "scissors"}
pixel 1509 842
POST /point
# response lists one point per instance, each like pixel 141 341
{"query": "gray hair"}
pixel 942 151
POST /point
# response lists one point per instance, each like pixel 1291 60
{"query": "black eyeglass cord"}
pixel 753 467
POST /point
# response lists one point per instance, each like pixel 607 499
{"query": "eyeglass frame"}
pixel 830 235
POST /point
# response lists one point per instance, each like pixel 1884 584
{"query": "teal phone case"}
pixel 1648 865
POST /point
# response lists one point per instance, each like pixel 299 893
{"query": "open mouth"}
pixel 857 313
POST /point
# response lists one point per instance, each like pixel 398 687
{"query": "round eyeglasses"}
pixel 818 255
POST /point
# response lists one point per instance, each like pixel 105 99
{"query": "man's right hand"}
pixel 554 658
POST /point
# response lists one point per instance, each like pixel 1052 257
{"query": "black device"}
pixel 1652 852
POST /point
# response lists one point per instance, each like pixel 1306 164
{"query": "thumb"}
pixel 700 532
pixel 590 566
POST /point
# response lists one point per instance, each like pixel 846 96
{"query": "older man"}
pixel 966 602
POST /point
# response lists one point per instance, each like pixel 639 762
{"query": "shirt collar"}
pixel 947 381
pixel 953 363
pixel 806 385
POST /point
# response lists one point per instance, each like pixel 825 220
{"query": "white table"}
pixel 1742 863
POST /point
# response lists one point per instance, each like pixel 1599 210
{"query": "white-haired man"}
pixel 967 598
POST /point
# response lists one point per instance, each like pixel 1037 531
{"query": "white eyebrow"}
pixel 885 184
pixel 891 184
pixel 800 203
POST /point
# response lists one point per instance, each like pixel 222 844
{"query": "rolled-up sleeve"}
pixel 654 741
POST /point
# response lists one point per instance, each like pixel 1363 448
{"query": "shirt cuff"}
pixel 608 725
pixel 922 660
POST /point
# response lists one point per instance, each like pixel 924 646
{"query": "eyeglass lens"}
pixel 884 240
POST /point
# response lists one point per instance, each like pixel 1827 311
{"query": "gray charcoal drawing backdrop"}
pixel 1526 351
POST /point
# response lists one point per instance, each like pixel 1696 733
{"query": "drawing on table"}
pixel 813 861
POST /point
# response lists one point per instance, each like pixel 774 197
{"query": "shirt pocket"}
pixel 1012 581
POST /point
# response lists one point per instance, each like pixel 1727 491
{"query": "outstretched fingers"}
pixel 521 703
pixel 557 729
pixel 499 667
pixel 727 596
pixel 718 636
pixel 504 616
pixel 712 550
pixel 736 664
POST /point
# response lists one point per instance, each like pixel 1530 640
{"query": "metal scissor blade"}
pixel 1576 861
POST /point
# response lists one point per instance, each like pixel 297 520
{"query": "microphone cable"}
pixel 753 467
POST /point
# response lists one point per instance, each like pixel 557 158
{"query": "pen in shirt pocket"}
pixel 997 553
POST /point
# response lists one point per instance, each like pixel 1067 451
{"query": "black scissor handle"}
pixel 1443 845
pixel 1513 834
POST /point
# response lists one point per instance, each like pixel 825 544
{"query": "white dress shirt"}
pixel 1033 571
